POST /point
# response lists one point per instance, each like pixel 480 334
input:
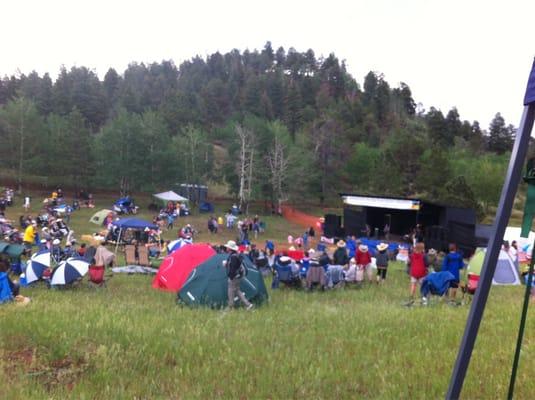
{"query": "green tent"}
pixel 207 285
pixel 14 251
pixel 99 217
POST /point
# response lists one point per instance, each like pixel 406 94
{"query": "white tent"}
pixel 505 273
pixel 170 196
pixel 513 233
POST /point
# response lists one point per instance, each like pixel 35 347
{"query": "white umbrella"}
pixel 69 271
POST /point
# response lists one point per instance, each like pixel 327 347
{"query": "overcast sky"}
pixel 472 54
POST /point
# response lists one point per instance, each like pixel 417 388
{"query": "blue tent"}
pixel 134 223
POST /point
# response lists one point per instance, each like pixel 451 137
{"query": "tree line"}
pixel 272 124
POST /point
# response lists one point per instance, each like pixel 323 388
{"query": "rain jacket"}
pixel 453 262
pixel 5 289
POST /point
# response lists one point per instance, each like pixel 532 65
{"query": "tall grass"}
pixel 130 341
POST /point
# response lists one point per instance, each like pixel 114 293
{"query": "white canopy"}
pixel 170 196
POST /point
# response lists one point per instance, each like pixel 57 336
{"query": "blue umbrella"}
pixel 37 265
pixel 69 271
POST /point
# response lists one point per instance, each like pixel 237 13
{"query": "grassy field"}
pixel 130 341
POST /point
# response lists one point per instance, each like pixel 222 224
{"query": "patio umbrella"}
pixel 69 271
pixel 99 216
pixel 177 244
pixel 37 265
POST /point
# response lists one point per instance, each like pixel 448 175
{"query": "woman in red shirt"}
pixel 417 267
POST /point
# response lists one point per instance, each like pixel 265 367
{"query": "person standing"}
pixel 453 263
pixel 381 261
pixel 417 268
pixel 513 253
pixel 235 273
pixel 29 236
pixel 386 232
pixel 364 261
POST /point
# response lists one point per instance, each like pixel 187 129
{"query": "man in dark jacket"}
pixel 235 272
pixel 340 256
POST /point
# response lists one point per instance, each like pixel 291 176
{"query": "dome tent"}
pixel 207 285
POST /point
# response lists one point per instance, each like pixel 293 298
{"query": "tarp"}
pixel 176 268
pixel 207 284
pixel 170 196
pixel 134 223
pixel 505 274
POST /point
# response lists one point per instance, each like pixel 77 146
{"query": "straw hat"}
pixel 231 244
pixel 292 248
pixel 382 246
pixel 363 248
pixel 341 243
pixel 285 259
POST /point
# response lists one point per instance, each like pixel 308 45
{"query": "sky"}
pixel 475 55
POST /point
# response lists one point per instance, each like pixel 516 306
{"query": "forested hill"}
pixel 293 125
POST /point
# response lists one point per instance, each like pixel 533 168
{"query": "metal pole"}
pixel 522 325
pixel 491 257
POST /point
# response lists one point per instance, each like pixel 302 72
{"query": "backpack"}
pixel 242 270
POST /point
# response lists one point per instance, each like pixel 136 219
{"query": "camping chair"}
pixel 96 275
pixel 437 284
pixel 143 254
pixel 335 276
pixel 315 276
pixel 130 254
pixel 284 274
pixel 471 285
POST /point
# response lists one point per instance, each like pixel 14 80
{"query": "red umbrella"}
pixel 175 268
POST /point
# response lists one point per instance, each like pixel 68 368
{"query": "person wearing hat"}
pixel 56 251
pixel 43 245
pixel 340 256
pixel 381 260
pixel 364 261
pixel 236 270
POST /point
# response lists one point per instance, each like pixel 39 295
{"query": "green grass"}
pixel 130 341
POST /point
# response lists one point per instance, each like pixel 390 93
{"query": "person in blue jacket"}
pixel 453 263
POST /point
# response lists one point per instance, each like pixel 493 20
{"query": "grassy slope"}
pixel 130 341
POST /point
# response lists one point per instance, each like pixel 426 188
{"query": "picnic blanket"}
pixel 134 269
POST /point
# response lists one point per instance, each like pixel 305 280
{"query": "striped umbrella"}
pixel 177 244
pixel 69 271
pixel 37 265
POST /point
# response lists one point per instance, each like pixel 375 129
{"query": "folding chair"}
pixel 130 254
pixel 143 254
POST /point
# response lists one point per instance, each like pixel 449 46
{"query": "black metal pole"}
pixel 491 257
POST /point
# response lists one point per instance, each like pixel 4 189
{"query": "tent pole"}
pixel 118 240
pixel 503 213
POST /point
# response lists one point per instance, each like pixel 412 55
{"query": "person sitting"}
pixel 335 276
pixel 351 273
pixel 286 271
pixel 340 256
pixel 81 250
pixel 315 275
pixel 8 288
pixel 68 251
pixel 56 252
